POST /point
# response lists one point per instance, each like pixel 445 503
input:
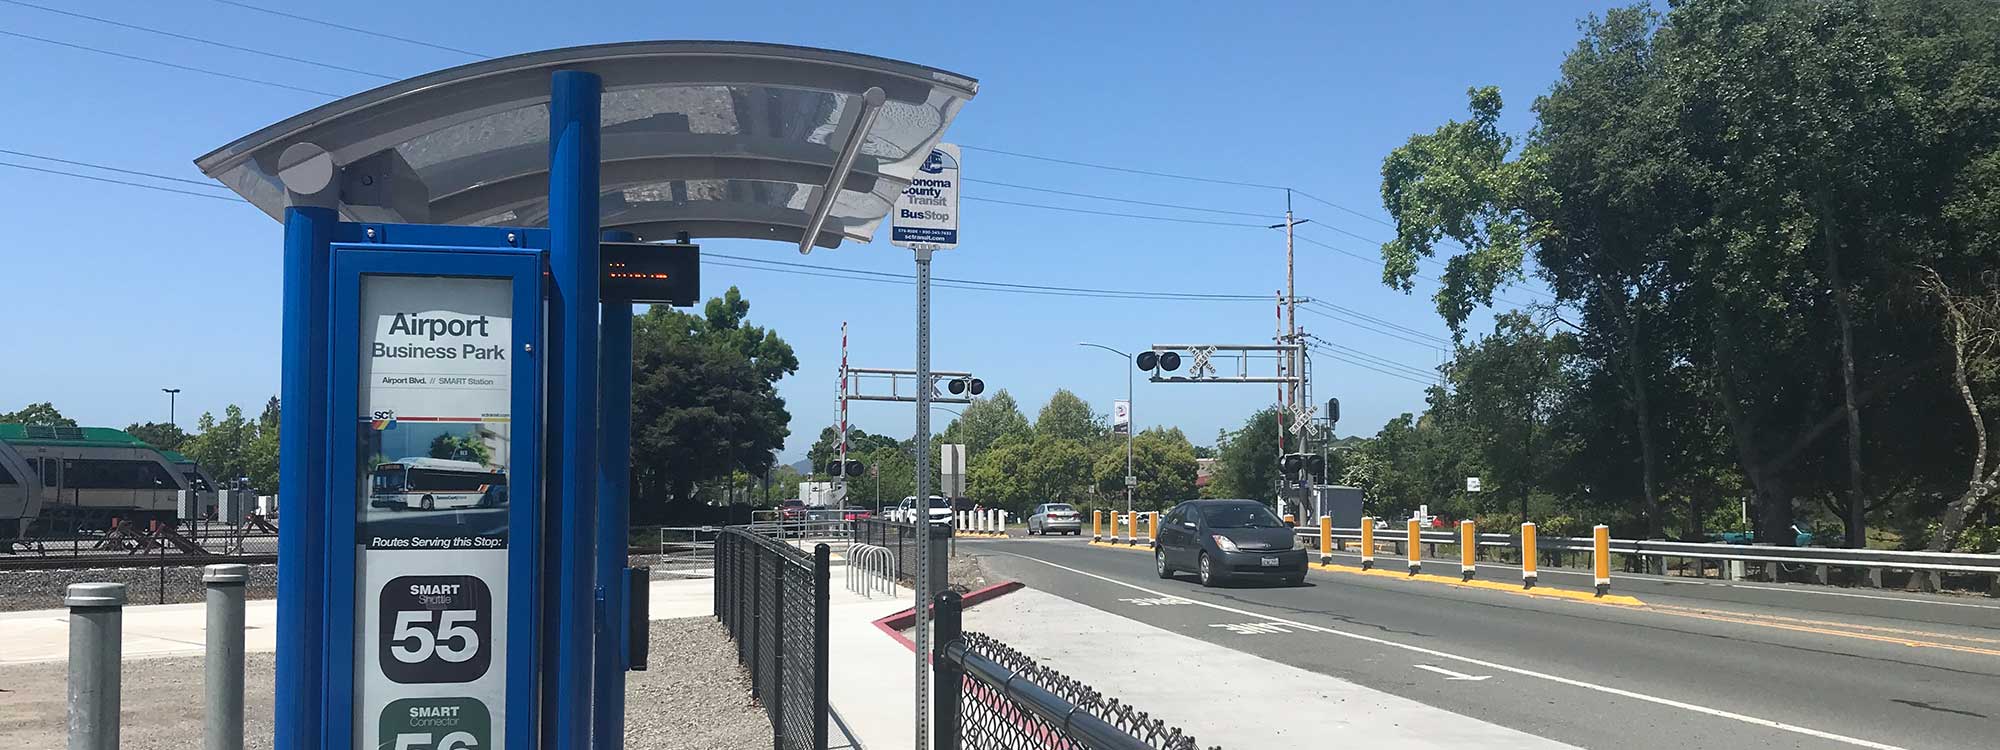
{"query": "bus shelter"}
pixel 457 352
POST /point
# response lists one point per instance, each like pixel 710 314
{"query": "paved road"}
pixel 1692 668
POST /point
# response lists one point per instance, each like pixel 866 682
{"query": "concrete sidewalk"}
pixel 1221 695
pixel 157 630
pixel 872 675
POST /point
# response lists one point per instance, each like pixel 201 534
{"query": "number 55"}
pixel 453 741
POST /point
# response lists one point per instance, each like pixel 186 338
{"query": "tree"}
pixel 223 448
pixel 462 447
pixel 1504 390
pixel 1972 331
pixel 1162 459
pixel 161 435
pixel 43 413
pixel 704 400
pixel 1249 465
pixel 1067 417
pixel 826 449
pixel 988 422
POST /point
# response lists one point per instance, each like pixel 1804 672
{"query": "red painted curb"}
pixel 894 624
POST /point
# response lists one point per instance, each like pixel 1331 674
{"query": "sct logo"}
pixel 383 420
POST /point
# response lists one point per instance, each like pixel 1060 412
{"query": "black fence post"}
pixel 947 676
pixel 822 580
pixel 776 701
pixel 749 649
pixel 939 537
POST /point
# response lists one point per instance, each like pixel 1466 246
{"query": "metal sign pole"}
pixel 922 514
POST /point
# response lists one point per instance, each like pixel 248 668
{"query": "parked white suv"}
pixel 940 510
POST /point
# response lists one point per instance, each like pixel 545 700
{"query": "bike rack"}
pixel 870 569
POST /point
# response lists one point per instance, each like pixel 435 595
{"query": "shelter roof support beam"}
pixel 871 107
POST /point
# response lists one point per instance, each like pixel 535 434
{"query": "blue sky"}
pixel 114 292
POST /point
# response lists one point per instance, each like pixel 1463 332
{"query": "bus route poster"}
pixel 435 406
pixel 431 516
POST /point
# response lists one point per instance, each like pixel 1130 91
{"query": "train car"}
pixel 86 476
pixel 20 493
pixel 421 483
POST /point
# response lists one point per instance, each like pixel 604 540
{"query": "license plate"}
pixel 1269 562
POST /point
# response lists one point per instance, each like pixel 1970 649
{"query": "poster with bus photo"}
pixel 434 403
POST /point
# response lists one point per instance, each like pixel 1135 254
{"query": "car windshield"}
pixel 1061 509
pixel 1240 516
pixel 939 502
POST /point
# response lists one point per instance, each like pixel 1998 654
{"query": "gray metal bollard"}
pixel 222 727
pixel 96 625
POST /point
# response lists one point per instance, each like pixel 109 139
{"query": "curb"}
pixel 1147 547
pixel 895 623
pixel 1619 600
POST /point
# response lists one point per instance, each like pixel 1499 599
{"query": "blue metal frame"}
pixel 302 476
pixel 614 479
pixel 575 102
pixel 468 259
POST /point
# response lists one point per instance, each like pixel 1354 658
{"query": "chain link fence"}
pixel 772 598
pixel 991 697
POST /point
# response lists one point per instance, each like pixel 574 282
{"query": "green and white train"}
pixel 66 480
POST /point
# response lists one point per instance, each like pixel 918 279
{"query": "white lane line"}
pixel 1606 689
pixel 1668 581
pixel 1450 675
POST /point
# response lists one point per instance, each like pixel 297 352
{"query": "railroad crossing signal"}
pixel 844 468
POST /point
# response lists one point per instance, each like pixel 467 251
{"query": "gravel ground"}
pixel 694 698
pixel 43 589
pixel 966 572
pixel 161 704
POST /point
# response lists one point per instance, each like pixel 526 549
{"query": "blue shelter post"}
pixel 574 108
pixel 614 478
pixel 302 475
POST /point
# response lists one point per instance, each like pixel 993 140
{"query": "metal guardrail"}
pixel 870 570
pixel 991 697
pixel 1870 559
pixel 773 600
pixel 678 549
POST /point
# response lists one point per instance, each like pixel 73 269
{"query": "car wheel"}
pixel 1160 562
pixel 429 503
pixel 1209 577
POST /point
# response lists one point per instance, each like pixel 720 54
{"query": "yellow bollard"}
pixel 1600 541
pixel 1416 539
pixel 1325 539
pixel 1153 526
pixel 1367 542
pixel 1096 525
pixel 1468 550
pixel 1528 555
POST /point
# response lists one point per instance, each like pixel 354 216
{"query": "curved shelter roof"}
pixel 716 139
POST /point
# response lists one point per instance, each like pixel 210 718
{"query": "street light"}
pixel 1130 480
pixel 172 395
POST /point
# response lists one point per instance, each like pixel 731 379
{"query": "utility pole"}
pixel 842 474
pixel 1292 362
pixel 172 395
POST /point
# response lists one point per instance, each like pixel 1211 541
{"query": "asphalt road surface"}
pixel 1695 666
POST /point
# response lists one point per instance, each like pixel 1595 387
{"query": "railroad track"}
pixel 85 562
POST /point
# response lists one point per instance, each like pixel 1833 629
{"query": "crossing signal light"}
pixel 845 469
pixel 1333 411
pixel 1165 361
pixel 961 386
pixel 1312 464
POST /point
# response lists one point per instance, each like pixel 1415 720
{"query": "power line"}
pixel 1007 286
pixel 230 198
pixel 199 40
pixel 343 27
pixel 1378 262
pixel 1366 366
pixel 1369 328
pixel 1127 170
pixel 176 66
pixel 201 183
pixel 1113 213
pixel 1383 361
pixel 1372 319
pixel 1125 200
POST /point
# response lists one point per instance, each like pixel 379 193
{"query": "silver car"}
pixel 1055 518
